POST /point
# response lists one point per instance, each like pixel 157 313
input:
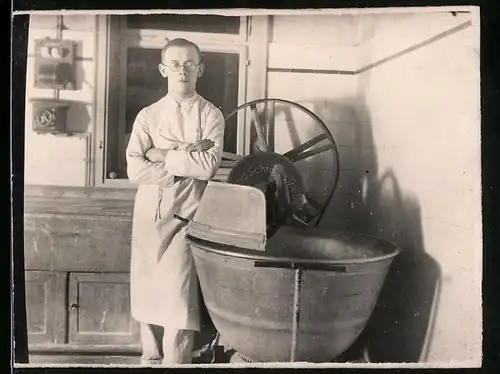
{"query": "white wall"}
pixel 408 133
pixel 323 43
pixel 56 160
pixel 423 111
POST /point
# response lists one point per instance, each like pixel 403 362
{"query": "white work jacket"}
pixel 164 287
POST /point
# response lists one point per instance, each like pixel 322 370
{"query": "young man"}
pixel 175 147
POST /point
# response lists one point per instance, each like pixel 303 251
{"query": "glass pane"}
pixel 219 85
pixel 144 85
pixel 192 23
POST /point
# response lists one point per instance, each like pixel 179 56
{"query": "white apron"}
pixel 163 281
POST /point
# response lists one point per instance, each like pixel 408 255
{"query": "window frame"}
pixel 113 41
pixel 241 37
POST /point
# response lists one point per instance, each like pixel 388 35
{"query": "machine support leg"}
pixel 296 313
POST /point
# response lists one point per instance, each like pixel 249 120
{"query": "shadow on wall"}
pixel 79 118
pixel 401 324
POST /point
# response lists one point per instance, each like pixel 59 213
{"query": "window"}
pixel 191 23
pixel 135 82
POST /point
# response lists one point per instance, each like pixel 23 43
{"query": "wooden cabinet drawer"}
pixel 99 309
pixel 46 306
pixel 77 243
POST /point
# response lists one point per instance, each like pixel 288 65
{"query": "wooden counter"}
pixel 77 261
pixel 77 258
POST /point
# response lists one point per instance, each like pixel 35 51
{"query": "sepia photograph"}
pixel 258 188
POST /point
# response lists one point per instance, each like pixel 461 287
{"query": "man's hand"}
pixel 156 154
pixel 202 145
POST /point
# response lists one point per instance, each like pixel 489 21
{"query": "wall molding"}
pixel 415 47
pixel 381 61
pixel 311 71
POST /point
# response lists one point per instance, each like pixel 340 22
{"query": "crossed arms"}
pixel 149 165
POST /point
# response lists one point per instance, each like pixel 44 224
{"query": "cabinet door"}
pixel 99 309
pixel 46 306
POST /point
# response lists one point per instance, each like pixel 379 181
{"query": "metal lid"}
pixel 231 214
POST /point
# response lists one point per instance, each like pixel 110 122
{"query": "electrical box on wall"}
pixel 50 116
pixel 55 64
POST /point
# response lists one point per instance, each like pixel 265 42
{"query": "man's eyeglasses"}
pixel 175 66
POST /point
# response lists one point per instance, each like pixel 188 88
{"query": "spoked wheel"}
pixel 270 147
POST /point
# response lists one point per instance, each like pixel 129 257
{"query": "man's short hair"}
pixel 180 42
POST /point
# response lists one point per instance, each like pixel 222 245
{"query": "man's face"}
pixel 181 66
